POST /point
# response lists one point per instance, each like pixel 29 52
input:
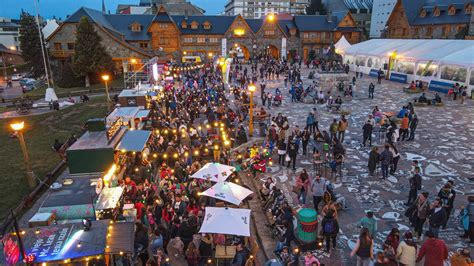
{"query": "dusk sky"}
pixel 62 8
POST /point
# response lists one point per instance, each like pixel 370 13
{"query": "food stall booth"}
pixel 109 203
pixel 130 98
pixel 94 151
pixel 132 117
pixel 87 242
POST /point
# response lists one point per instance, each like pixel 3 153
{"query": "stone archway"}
pixel 238 49
pixel 273 51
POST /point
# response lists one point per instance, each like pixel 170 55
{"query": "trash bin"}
pixel 307 225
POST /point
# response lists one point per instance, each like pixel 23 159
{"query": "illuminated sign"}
pixel 239 32
pixel 114 129
pixel 155 72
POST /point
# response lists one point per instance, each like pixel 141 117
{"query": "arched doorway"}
pixel 273 51
pixel 240 51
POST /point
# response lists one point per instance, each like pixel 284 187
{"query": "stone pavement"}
pixel 443 144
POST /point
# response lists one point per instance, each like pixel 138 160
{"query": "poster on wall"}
pixel 224 47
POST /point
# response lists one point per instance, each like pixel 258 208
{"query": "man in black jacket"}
pixel 447 195
pixel 367 133
pixel 415 185
pixel 437 216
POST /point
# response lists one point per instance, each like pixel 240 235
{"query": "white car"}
pixel 16 77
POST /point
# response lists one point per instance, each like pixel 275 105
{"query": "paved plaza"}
pixel 443 144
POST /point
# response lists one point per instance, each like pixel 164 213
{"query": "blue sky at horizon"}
pixel 62 8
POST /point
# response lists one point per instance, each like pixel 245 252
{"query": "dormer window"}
pixel 423 13
pixel 194 25
pixel 184 24
pixel 468 9
pixel 452 10
pixel 206 25
pixel 136 27
pixel 436 12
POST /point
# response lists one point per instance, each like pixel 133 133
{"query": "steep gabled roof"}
pixel 286 25
pixel 254 24
pixel 92 14
pixel 219 24
pixel 315 23
pixel 122 23
pixel 413 9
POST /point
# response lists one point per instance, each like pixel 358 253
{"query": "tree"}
pixel 30 44
pixel 316 7
pixel 90 56
pixel 64 77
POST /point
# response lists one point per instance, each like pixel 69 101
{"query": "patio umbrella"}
pixel 228 221
pixel 229 192
pixel 214 172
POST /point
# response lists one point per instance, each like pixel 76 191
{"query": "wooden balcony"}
pixel 61 53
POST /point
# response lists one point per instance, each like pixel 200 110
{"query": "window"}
pixel 468 9
pixel 269 32
pixel 426 70
pixel 70 46
pixel 305 35
pixel 194 25
pixel 164 41
pixel 446 30
pixel 452 11
pixel 454 73
pixel 471 80
pixel 360 60
pixel 136 27
pixel 163 25
pixel 201 39
pixel 327 35
pixel 429 31
pixel 143 45
pixel 213 40
pixel 423 13
pixel 184 24
pixel 207 25
pixel 15 39
pixel 188 39
pixel 349 59
pixel 436 12
pixel 57 46
pixel 405 67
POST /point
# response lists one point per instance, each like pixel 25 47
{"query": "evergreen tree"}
pixel 316 7
pixel 90 57
pixel 30 44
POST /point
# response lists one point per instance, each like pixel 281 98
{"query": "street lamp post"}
pixel 106 78
pixel 251 89
pixel 30 176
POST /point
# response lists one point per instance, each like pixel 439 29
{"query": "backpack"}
pixel 329 227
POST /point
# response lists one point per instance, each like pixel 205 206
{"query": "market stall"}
pixel 109 203
pixel 441 63
pixel 134 141
pixel 131 117
pixel 133 98
pixel 94 151
pixel 97 242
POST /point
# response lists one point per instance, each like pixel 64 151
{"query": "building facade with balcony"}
pixel 261 8
pixel 430 19
pixel 9 33
pixel 171 37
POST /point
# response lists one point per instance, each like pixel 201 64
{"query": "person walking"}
pixel 367 133
pixel 422 209
pixel 342 127
pixel 333 129
pixel 406 250
pixel 310 122
pixel 447 195
pixel 357 71
pixel 318 188
pixel 305 136
pixel 413 126
pixel 404 128
pixel 374 158
pixel 371 90
pixel 292 152
pixel 437 216
pixel 281 152
pixel 363 248
pixel 370 223
pixel 415 185
pixel 329 228
pixel 380 75
pixel 434 251
pixel 302 182
pixel 385 161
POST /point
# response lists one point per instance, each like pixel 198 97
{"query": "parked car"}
pixel 24 81
pixel 31 85
pixel 16 77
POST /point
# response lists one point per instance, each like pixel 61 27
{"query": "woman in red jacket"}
pixel 167 213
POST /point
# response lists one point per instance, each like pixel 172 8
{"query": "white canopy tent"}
pixel 227 221
pixel 214 172
pixel 444 61
pixel 228 192
pixel 342 44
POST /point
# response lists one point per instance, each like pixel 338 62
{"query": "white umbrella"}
pixel 229 192
pixel 214 172
pixel 228 221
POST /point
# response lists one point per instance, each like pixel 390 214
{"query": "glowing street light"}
pixel 251 89
pixel 30 176
pixel 106 78
pixel 271 17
